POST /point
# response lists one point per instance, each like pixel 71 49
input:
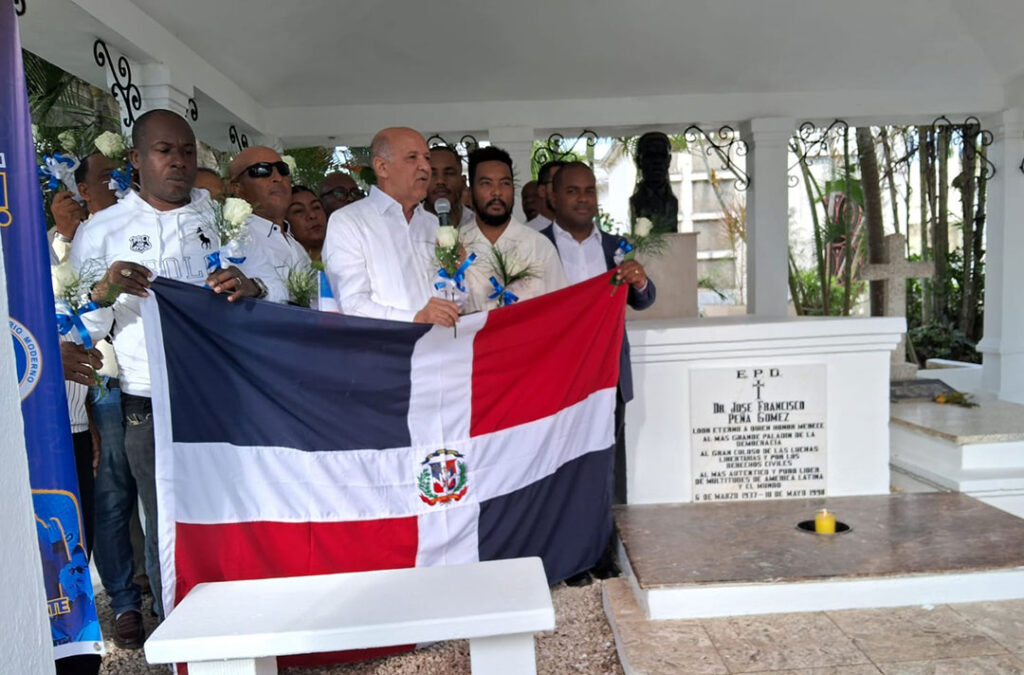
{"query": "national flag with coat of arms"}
pixel 295 442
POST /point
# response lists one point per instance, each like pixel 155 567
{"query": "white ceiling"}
pixel 311 67
pixel 331 52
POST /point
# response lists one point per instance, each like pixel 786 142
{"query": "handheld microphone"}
pixel 443 209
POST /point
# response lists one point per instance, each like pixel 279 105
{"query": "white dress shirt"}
pixel 580 259
pixel 468 216
pixel 379 264
pixel 280 249
pixel 526 247
pixel 172 244
pixel 538 222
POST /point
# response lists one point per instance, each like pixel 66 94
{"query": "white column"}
pixel 518 142
pixel 162 89
pixel 767 215
pixel 1003 342
pixel 23 621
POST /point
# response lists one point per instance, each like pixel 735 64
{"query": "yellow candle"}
pixel 825 522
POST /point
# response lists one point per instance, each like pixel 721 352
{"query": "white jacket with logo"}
pixel 172 244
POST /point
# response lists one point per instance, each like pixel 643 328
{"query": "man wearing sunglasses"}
pixel 379 252
pixel 262 178
pixel 337 190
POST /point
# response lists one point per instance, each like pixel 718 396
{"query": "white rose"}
pixel 642 227
pixel 447 236
pixel 290 161
pixel 110 144
pixel 236 210
pixel 67 141
pixel 61 276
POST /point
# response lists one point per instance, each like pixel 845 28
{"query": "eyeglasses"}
pixel 342 193
pixel 265 169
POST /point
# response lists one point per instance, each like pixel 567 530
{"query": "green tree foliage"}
pixel 312 164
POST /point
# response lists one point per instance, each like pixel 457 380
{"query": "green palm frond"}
pixel 508 270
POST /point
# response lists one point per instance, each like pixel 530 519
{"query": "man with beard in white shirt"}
pixel 447 182
pixel 262 178
pixel 379 251
pixel 493 196
pixel 163 229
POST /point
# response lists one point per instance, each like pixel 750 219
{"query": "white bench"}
pixel 240 627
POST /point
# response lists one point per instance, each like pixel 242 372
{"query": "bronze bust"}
pixel 653 197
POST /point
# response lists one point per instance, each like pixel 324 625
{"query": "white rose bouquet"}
pixel 643 238
pixel 450 280
pixel 229 225
pixel 113 147
pixel 71 294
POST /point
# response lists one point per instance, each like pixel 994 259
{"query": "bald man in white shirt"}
pixel 379 251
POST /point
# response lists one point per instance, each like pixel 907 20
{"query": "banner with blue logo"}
pixel 33 327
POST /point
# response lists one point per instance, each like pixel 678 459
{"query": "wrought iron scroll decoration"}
pixel 468 141
pixel 814 140
pixel 241 141
pixel 555 148
pixel 970 130
pixel 724 142
pixel 123 87
pixel 193 110
pixel 19 7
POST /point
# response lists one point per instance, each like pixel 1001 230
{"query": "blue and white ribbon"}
pixel 59 169
pixel 624 249
pixel 121 181
pixel 504 296
pixel 68 319
pixel 215 261
pixel 455 280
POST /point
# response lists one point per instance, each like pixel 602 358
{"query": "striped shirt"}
pixel 77 395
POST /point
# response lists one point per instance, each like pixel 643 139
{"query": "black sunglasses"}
pixel 264 169
pixel 342 193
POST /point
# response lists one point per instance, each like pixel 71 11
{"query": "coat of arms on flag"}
pixel 444 478
pixel 293 442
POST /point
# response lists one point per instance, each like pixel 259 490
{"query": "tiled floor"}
pixel 963 639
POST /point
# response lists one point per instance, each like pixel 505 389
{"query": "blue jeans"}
pixel 115 499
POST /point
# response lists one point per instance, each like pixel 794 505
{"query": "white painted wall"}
pixel 23 622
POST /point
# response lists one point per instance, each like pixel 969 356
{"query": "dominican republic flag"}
pixel 295 442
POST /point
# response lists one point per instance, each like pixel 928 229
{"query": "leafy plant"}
pixel 311 165
pixel 942 341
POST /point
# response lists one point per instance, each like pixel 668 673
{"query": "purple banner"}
pixel 62 548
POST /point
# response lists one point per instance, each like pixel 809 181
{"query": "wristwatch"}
pixel 60 237
pixel 261 286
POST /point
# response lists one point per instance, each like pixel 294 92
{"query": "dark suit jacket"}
pixel 636 300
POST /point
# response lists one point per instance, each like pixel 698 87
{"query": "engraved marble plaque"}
pixel 758 432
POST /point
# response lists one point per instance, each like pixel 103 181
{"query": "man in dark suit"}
pixel 585 252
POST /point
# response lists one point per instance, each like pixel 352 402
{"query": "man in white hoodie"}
pixel 165 229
